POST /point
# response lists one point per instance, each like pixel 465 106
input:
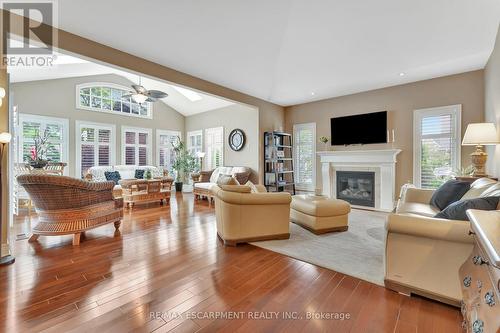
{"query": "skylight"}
pixel 189 94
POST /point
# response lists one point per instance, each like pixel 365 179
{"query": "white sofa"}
pixel 423 253
pixel 96 173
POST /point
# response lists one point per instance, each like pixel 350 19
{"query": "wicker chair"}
pixel 70 206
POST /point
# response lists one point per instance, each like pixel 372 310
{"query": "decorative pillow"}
pixel 456 211
pixel 241 177
pixel 139 174
pixel 113 176
pixel 236 188
pixel 227 180
pixel 448 193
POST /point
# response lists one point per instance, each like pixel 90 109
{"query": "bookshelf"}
pixel 278 162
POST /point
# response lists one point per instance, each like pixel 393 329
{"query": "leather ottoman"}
pixel 319 214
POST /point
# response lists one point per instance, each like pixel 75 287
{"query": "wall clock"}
pixel 236 139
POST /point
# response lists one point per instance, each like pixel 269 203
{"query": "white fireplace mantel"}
pixel 381 162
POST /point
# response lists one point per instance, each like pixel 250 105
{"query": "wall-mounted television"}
pixel 359 129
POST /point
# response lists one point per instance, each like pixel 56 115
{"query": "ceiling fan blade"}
pixel 157 94
pixel 151 99
pixel 139 89
pixel 128 95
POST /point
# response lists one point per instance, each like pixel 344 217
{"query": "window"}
pixel 304 136
pixel 107 97
pixel 33 125
pixel 165 155
pixel 136 143
pixel 195 142
pixel 214 141
pixel 95 146
pixel 436 141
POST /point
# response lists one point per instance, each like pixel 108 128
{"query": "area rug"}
pixel 358 252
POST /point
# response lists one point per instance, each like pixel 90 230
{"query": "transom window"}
pixel 107 97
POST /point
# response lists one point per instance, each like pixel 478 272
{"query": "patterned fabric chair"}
pixel 70 206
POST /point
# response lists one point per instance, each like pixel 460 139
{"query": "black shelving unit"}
pixel 278 162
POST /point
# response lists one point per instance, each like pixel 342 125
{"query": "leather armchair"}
pixel 245 216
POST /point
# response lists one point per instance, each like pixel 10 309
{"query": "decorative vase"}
pixel 39 164
pixel 178 186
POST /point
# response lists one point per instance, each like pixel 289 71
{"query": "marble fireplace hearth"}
pixel 380 163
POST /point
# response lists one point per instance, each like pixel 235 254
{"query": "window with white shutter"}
pixel 136 143
pixel 165 154
pixel 195 142
pixel 33 125
pixel 214 143
pixel 95 146
pixel 304 142
pixel 436 141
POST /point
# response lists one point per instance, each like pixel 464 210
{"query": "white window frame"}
pixel 304 186
pixel 63 122
pixel 205 142
pixel 160 132
pixel 190 147
pixel 108 85
pixel 78 142
pixel 418 115
pixel 149 145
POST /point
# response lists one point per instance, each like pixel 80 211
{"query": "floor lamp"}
pixel 4 140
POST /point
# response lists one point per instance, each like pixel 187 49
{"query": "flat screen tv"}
pixel 359 129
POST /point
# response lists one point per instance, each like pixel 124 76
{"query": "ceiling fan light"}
pixel 139 98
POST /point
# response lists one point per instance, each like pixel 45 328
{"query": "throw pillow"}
pixel 227 180
pixel 448 193
pixel 139 174
pixel 242 177
pixel 456 211
pixel 112 176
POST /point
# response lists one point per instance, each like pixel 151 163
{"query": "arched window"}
pixel 107 97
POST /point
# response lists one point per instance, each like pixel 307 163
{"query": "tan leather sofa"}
pixel 207 179
pixel 423 253
pixel 246 215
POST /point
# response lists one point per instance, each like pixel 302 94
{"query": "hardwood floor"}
pixel 167 271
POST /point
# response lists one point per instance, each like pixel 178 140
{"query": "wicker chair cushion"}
pixel 113 176
pixel 139 174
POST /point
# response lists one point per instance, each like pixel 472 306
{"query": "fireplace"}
pixel 356 187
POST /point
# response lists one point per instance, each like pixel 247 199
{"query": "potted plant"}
pixel 324 140
pixel 40 149
pixel 183 165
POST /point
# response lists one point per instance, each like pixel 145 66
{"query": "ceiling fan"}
pixel 141 94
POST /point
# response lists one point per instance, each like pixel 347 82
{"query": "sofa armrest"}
pixel 429 227
pixel 418 195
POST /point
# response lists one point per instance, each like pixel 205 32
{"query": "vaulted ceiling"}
pixel 295 51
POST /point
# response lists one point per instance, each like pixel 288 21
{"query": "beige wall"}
pixel 492 104
pixel 232 117
pixel 56 98
pixel 400 101
pixel 4 127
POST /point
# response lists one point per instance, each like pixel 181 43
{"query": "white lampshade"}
pixel 200 154
pixel 5 137
pixel 480 134
pixel 139 98
pixel 2 92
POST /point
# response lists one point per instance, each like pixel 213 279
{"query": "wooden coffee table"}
pixel 145 190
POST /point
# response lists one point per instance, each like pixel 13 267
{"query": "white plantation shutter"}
pixel 95 146
pixel 195 142
pixel 437 145
pixel 136 146
pixel 304 136
pixel 33 125
pixel 214 141
pixel 165 152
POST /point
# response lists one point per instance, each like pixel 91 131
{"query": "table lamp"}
pixel 200 155
pixel 480 135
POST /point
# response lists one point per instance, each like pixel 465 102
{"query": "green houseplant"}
pixel 183 165
pixel 41 148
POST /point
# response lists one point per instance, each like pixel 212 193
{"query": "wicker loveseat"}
pixel 70 206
